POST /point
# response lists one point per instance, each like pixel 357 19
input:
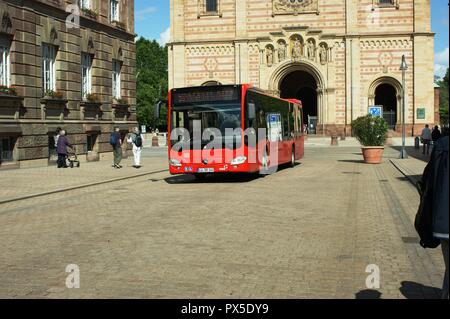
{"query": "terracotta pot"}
pixel 373 154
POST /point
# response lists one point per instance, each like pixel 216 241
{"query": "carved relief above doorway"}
pixel 295 6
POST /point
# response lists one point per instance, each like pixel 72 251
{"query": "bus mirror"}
pixel 158 106
pixel 251 111
pixel 158 109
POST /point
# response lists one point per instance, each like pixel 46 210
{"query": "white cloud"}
pixel 440 70
pixel 142 14
pixel 164 37
pixel 441 58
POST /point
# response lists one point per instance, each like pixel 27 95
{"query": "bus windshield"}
pixel 211 119
pixel 212 110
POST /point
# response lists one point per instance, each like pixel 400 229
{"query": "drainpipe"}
pixel 351 81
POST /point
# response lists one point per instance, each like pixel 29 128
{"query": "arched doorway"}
pixel 303 86
pixel 386 95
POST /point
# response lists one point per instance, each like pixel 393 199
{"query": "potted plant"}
pixel 121 101
pixel 50 94
pixel 9 91
pixel 92 98
pixel 90 13
pixel 371 132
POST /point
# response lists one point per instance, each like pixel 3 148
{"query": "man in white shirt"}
pixel 137 140
pixel 426 139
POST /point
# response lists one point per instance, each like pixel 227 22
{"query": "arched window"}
pixel 211 6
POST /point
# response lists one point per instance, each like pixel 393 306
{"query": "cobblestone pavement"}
pixel 30 181
pixel 305 232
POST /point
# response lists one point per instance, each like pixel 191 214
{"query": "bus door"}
pixel 274 132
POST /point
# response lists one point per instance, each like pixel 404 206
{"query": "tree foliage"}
pixel 152 81
pixel 444 99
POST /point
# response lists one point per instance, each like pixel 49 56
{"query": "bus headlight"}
pixel 239 160
pixel 175 163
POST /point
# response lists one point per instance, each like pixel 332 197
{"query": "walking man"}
pixel 116 143
pixel 137 140
pixel 61 149
pixel 426 139
pixel 436 134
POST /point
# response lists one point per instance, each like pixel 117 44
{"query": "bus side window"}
pixel 292 112
pixel 300 120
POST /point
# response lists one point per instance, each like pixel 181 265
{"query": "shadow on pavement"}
pixel 368 294
pixel 413 152
pixel 212 179
pixel 219 178
pixel 410 178
pixel 352 161
pixel 414 290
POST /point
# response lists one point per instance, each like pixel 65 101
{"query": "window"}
pixel 91 140
pixel 7 148
pixel 85 4
pixel 115 10
pixel 211 6
pixel 86 74
pixel 116 85
pixel 4 63
pixel 387 3
pixel 48 68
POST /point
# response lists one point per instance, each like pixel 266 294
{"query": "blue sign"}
pixel 376 111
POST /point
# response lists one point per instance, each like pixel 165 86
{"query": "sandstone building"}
pixel 68 64
pixel 338 56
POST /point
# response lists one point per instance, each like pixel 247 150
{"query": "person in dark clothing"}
pixel 432 220
pixel 116 143
pixel 61 149
pixel 436 134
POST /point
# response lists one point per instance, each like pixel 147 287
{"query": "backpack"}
pixel 138 140
pixel 113 139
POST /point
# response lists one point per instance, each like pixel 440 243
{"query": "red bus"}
pixel 266 131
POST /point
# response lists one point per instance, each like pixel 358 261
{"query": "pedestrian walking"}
pixel 58 130
pixel 61 149
pixel 432 220
pixel 426 139
pixel 116 142
pixel 137 140
pixel 436 134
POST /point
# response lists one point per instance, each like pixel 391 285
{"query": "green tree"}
pixel 152 80
pixel 444 99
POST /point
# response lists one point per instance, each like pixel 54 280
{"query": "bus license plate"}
pixel 206 170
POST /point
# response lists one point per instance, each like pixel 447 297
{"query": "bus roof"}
pixel 246 86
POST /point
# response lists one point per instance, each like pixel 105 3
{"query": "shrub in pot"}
pixel 372 133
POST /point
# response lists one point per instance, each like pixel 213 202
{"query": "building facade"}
pixel 338 56
pixel 68 64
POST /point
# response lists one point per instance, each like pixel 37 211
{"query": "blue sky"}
pixel 153 20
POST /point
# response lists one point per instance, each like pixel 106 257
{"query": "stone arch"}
pixel 387 81
pixel 292 71
pixel 288 67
